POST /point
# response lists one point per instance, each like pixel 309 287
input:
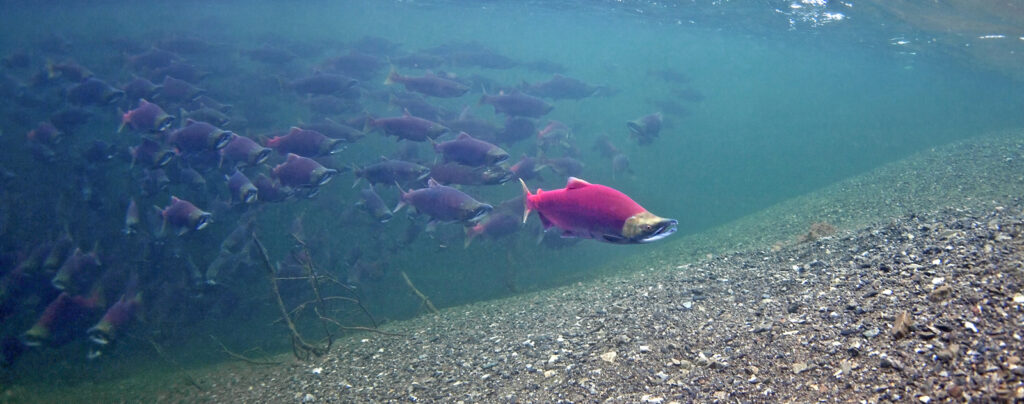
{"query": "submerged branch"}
pixel 311 273
pixel 241 357
pixel 356 328
pixel 423 297
pixel 160 352
pixel 300 347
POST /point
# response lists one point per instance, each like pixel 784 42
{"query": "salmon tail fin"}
pixel 282 84
pixel 392 76
pixel 483 97
pixel 369 123
pixel 51 71
pixel 163 220
pixel 526 200
pixel 470 234
pixel 124 119
pixel 356 169
pixel 401 198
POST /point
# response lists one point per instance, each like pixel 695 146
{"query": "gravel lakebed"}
pixel 924 308
pixel 913 294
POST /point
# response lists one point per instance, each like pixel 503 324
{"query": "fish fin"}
pixel 470 234
pixel 575 183
pixel 163 227
pixel 539 238
pixel 392 77
pixel 401 198
pixel 568 234
pixel 431 226
pixel 526 200
pixel 433 184
pixel 463 136
pixel 613 238
pixel 294 130
pixel 368 124
pixel 405 112
pixel 544 221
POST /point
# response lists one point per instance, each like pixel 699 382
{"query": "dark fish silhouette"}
pixel 517 104
pixel 561 87
pixel 467 150
pixel 430 84
pixel 444 204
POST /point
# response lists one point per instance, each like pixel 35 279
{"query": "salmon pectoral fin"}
pixel 544 221
pixel 614 238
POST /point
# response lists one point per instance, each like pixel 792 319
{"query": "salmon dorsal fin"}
pixel 432 184
pixel 462 136
pixel 575 183
pixel 293 130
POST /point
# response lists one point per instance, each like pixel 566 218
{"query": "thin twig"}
pixel 298 344
pixel 423 297
pixel 242 357
pixel 307 263
pixel 365 329
pixel 160 352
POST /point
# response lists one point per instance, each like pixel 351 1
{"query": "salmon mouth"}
pixel 222 139
pixel 635 129
pixel 334 146
pixel 663 229
pixel 202 221
pixel 645 227
pixel 261 156
pixel 480 212
pixel 100 334
pixel 250 195
pixel 163 158
pixel 325 176
pixel 164 123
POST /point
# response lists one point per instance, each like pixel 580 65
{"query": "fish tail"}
pixel 392 76
pixel 470 234
pixel 51 71
pixel 526 200
pixel 401 198
pixel 124 119
pixel 483 98
pixel 368 124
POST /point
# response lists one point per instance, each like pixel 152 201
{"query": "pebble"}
pixel 871 333
pixel 970 326
pixel 888 362
pixel 609 356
